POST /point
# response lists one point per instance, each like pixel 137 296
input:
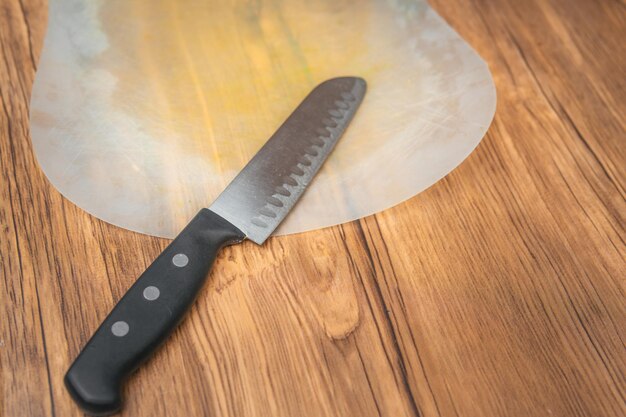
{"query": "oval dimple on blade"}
pixel 319 140
pixel 278 174
pixel 289 180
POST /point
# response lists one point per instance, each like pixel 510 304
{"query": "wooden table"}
pixel 497 292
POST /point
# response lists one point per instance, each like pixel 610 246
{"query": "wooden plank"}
pixel 25 382
pixel 498 291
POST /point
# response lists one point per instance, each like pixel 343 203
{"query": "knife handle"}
pixel 147 313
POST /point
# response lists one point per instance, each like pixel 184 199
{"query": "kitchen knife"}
pixel 251 207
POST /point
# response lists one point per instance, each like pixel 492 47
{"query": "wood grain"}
pixel 497 292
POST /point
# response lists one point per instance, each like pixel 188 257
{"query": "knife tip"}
pixel 354 85
pixel 353 80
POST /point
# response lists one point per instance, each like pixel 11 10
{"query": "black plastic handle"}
pixel 147 314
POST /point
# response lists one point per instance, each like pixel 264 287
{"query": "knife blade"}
pixel 251 207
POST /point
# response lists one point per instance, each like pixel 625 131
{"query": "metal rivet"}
pixel 120 328
pixel 151 293
pixel 180 260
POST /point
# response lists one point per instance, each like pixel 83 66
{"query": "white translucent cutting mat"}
pixel 143 111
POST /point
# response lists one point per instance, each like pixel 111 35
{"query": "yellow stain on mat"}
pixel 234 69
